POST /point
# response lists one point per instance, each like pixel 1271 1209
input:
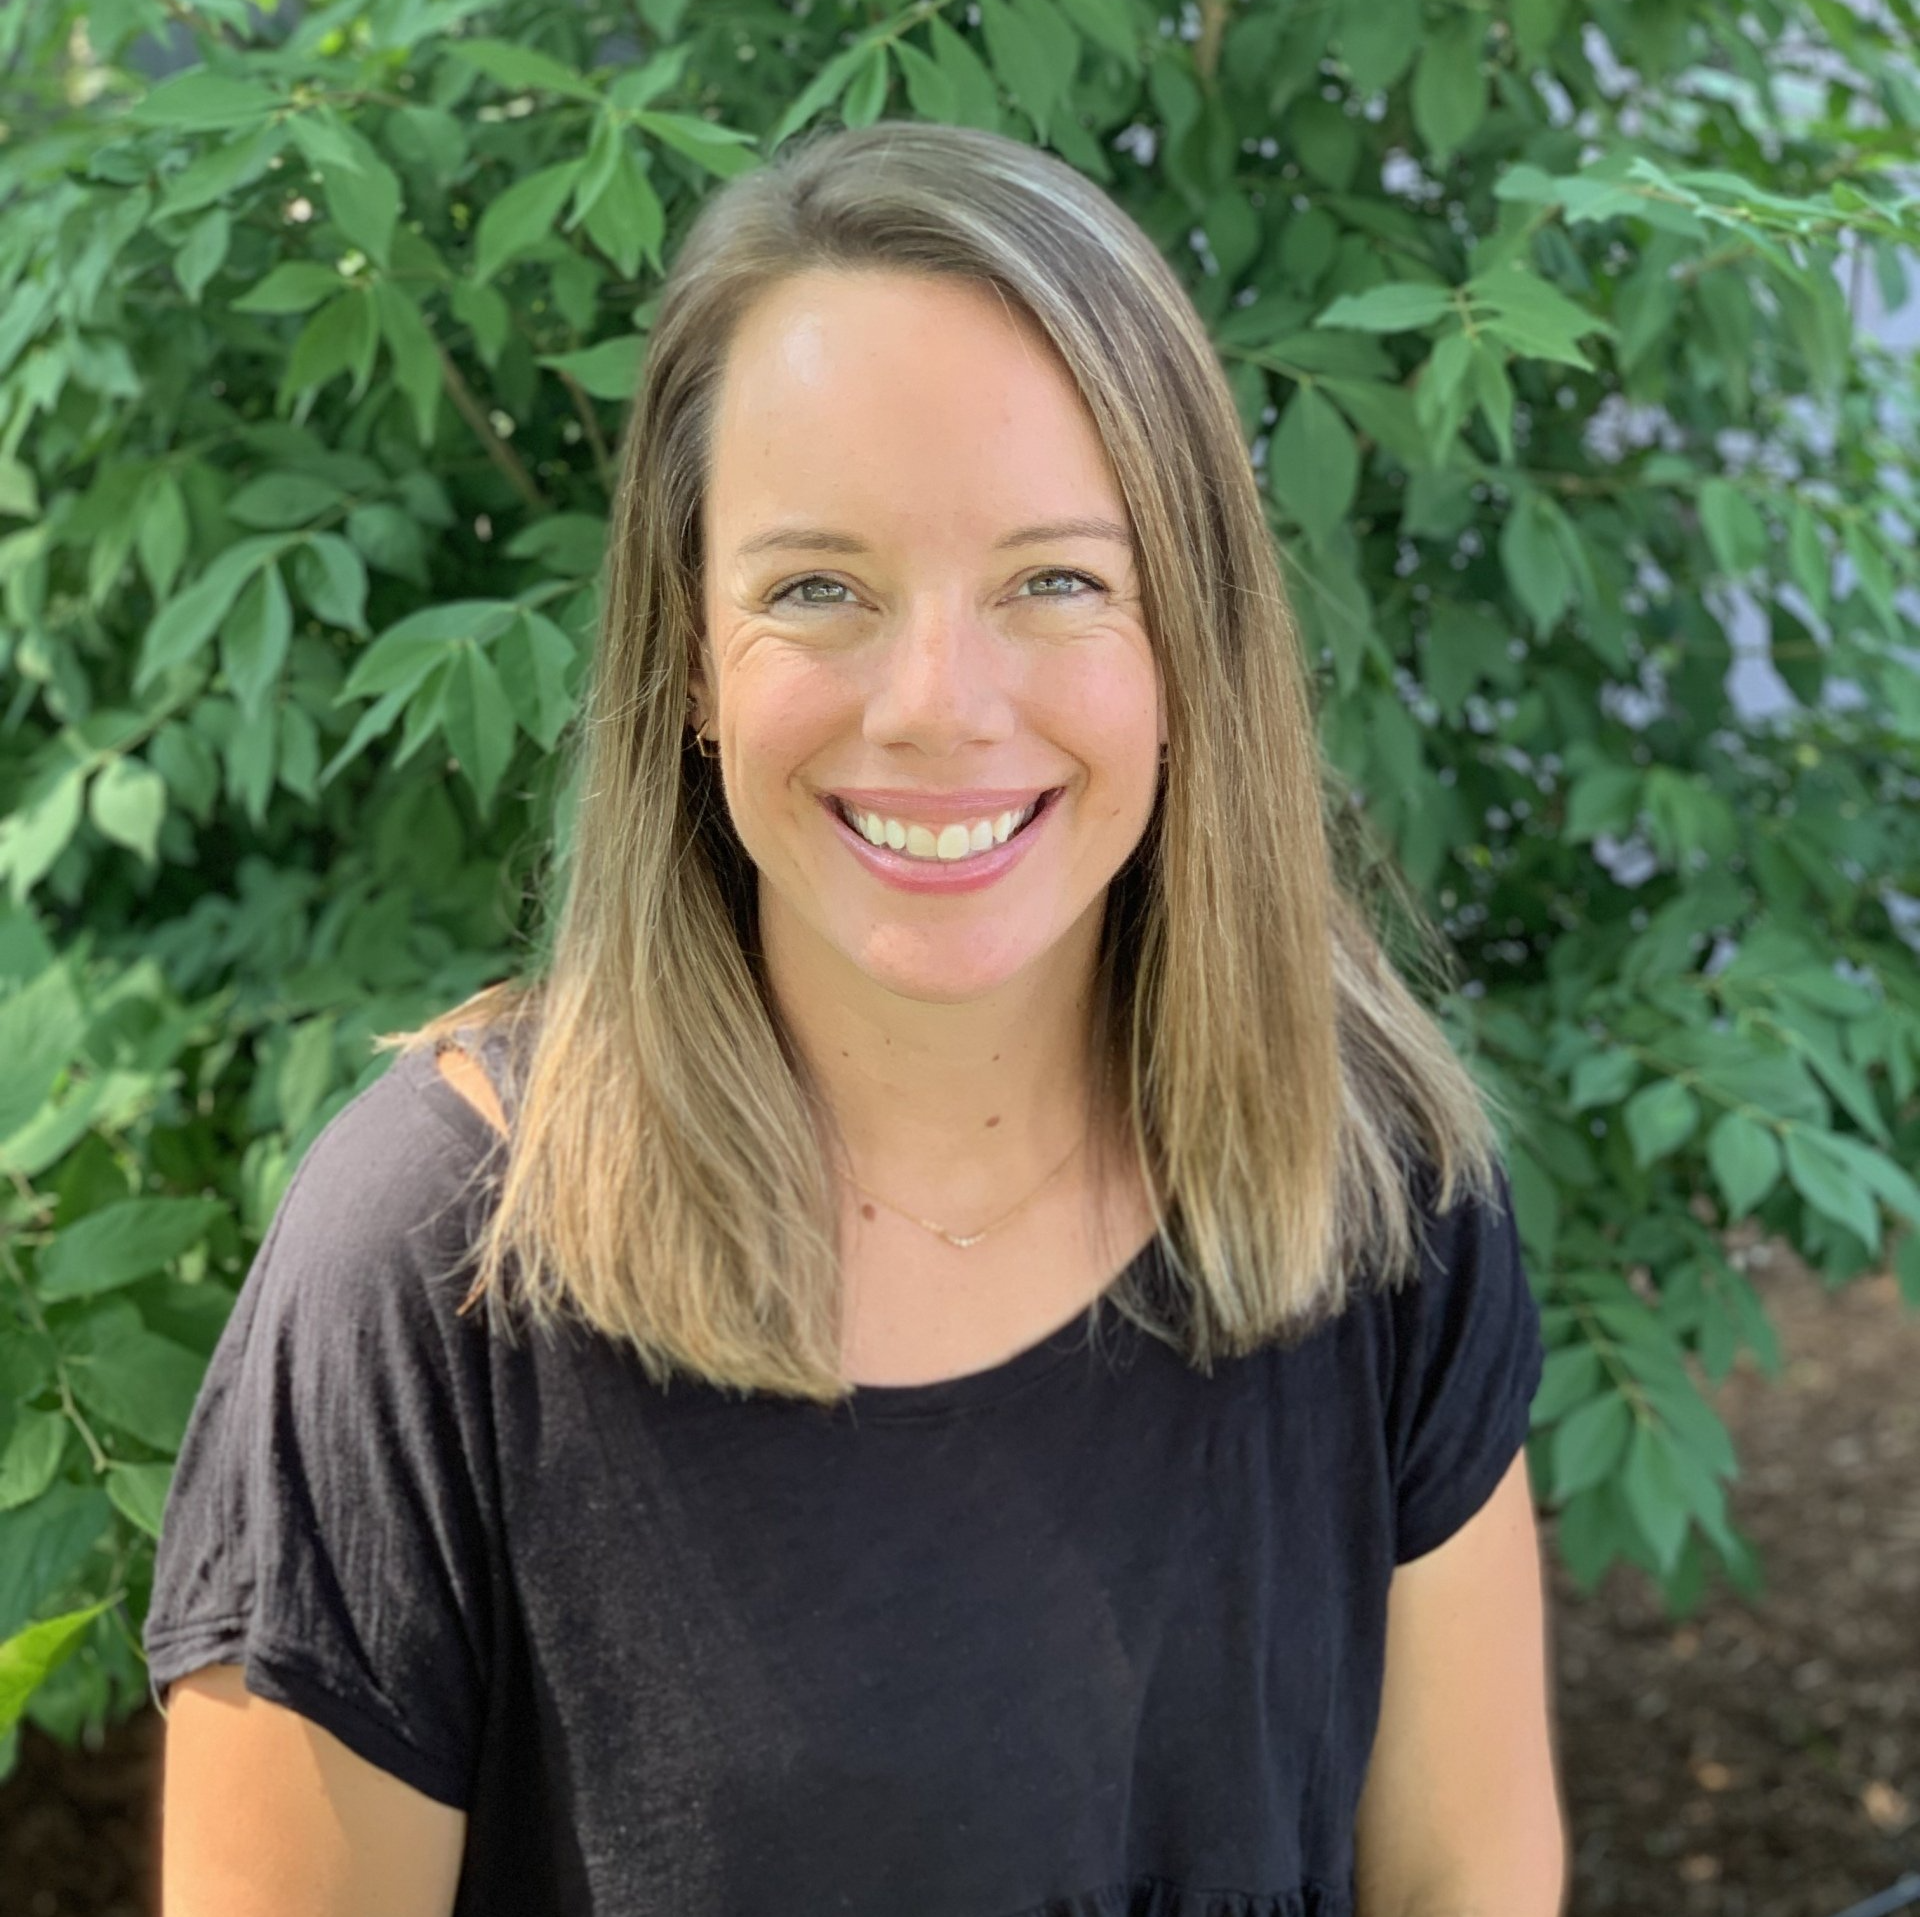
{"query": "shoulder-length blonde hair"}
pixel 665 1179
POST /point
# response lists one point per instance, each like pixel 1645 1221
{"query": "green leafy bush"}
pixel 314 337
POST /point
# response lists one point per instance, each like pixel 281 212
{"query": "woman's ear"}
pixel 699 706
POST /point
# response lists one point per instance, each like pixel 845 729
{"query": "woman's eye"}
pixel 811 579
pixel 820 579
pixel 1063 572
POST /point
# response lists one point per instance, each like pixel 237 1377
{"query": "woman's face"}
pixel 921 617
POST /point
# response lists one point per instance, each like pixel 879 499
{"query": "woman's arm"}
pixel 1461 1813
pixel 264 1814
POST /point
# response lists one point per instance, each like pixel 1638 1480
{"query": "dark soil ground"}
pixel 1760 1759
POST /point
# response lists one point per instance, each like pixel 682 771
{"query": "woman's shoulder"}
pixel 382 1198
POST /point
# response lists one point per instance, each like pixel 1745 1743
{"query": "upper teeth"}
pixel 957 841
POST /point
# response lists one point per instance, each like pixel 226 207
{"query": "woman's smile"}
pixel 928 855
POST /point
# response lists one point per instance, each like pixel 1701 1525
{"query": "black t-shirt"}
pixel 1083 1634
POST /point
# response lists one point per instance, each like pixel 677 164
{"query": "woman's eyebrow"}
pixel 824 539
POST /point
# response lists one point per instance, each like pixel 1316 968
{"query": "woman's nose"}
pixel 942 682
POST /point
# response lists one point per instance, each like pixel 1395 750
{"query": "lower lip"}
pixel 941 875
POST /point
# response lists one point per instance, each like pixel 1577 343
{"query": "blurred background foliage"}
pixel 316 329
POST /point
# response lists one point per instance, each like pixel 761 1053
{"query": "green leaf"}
pixel 198 99
pixel 1745 1158
pixel 283 500
pixel 1535 562
pixel 1570 1376
pixel 628 222
pixel 33 837
pixel 43 1544
pixel 299 767
pixel 339 338
pixel 139 1382
pixel 572 544
pixel 128 801
pixel 976 98
pixel 184 759
pixel 1020 61
pixel 1449 90
pixel 41 1023
pixel 1398 306
pixel 416 357
pixel 1464 647
pixel 139 1493
pixel 1494 391
pixel 1659 1119
pixel 822 90
pixel 187 621
pixel 114 1246
pixel 1651 1487
pixel 481 309
pixel 363 191
pixel 1108 24
pixel 723 150
pixel 1313 464
pixel 252 752
pixel 522 217
pixel 161 538
pixel 202 253
pixel 1603 1078
pixel 596 170
pixel 1807 555
pixel 254 638
pixel 1878 1173
pixel 929 90
pixel 30 1657
pixel 294 286
pixel 404 654
pixel 1587 1443
pixel 521 67
pixel 867 94
pixel 389 539
pixel 30 1459
pixel 1829 1183
pixel 223 171
pixel 332 578
pixel 478 722
pixel 610 370
pixel 1521 310
pixel 533 658
pixel 1817 1038
pixel 1603 800
pixel 1735 531
pixel 1378 41
pixel 19 489
pixel 305 1072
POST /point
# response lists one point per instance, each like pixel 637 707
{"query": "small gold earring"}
pixel 709 748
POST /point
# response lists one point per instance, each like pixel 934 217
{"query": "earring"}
pixel 708 748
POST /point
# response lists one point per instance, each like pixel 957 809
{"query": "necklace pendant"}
pixel 960 1243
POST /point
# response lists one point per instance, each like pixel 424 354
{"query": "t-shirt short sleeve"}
pixel 1468 1356
pixel 326 1526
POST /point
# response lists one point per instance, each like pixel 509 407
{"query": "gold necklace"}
pixel 961 1241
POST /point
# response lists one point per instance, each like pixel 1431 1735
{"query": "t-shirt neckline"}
pixel 884 1403
pixel 935 1397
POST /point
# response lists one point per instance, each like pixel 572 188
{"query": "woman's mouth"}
pixel 953 843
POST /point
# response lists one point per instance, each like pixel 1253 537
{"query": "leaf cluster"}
pixel 315 332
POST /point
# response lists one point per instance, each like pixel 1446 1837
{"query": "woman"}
pixel 1020 1283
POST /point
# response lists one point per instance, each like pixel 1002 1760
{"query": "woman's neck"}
pixel 943 1104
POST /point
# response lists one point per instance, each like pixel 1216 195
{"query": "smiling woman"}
pixel 1022 1280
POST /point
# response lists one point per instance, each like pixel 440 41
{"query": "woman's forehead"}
pixel 901 420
